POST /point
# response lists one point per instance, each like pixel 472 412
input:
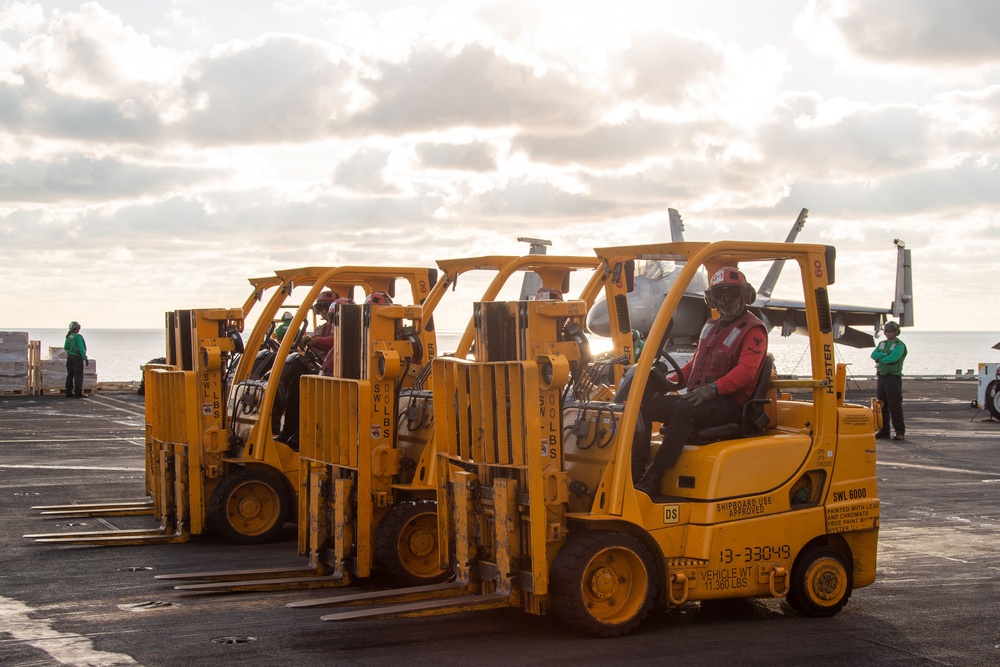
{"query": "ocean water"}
pixel 928 353
pixel 120 353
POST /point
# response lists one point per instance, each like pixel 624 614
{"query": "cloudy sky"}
pixel 155 154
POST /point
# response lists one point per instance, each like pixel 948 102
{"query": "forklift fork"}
pixel 110 508
pixel 327 567
pixel 175 523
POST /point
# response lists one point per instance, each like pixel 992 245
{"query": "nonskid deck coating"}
pixel 935 601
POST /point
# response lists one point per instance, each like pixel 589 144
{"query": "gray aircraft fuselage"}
pixel 644 302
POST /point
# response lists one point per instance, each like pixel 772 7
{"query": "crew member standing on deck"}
pixel 76 357
pixel 889 356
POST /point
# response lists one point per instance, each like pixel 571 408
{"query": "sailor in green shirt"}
pixel 76 357
pixel 889 356
pixel 286 319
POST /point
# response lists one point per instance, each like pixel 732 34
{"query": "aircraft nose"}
pixel 598 321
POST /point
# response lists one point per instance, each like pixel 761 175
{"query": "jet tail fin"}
pixel 771 279
pixel 676 226
pixel 902 305
pixel 531 282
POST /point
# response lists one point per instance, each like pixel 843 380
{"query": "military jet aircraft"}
pixel 653 279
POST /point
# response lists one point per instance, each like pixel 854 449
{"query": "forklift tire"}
pixel 993 399
pixel 249 507
pixel 822 582
pixel 406 544
pixel 604 583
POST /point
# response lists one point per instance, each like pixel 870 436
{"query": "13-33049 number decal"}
pixel 755 554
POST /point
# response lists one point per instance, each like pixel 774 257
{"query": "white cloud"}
pixel 867 144
pixel 472 156
pixel 79 177
pixel 274 89
pixel 923 33
pixel 616 144
pixel 475 87
pixel 198 146
pixel 21 17
pixel 92 53
pixel 364 172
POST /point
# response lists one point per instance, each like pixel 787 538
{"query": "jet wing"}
pixel 790 317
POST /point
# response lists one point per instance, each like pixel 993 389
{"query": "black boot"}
pixel 638 470
pixel 651 480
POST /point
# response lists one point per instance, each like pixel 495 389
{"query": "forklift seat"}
pixel 755 417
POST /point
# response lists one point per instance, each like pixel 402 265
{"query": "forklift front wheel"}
pixel 821 582
pixel 249 507
pixel 406 543
pixel 604 583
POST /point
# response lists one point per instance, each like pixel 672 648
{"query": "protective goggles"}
pixel 726 292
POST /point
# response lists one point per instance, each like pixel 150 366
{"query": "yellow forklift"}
pixel 542 514
pixel 214 458
pixel 368 479
pixel 229 327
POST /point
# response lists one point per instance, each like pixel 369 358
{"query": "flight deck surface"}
pixel 936 600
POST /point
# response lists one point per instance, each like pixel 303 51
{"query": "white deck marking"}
pixel 131 441
pixel 65 648
pixel 938 468
pixel 107 400
pixel 15 466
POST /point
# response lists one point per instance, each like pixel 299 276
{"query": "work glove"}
pixel 700 395
pixel 86 362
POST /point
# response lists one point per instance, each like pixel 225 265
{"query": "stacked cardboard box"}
pixel 14 362
pixel 54 372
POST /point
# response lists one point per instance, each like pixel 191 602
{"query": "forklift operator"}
pixel 323 339
pixel 720 378
pixel 298 366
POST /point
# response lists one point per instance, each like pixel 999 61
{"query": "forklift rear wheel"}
pixel 821 582
pixel 993 399
pixel 406 543
pixel 249 507
pixel 604 582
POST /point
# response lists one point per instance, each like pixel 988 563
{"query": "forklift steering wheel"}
pixel 662 368
pixel 297 343
pixel 313 357
pixel 270 342
pixel 665 365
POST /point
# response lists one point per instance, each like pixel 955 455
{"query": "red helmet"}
pixel 547 294
pixel 729 292
pixel 328 297
pixel 323 301
pixel 728 275
pixel 378 298
pixel 343 300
